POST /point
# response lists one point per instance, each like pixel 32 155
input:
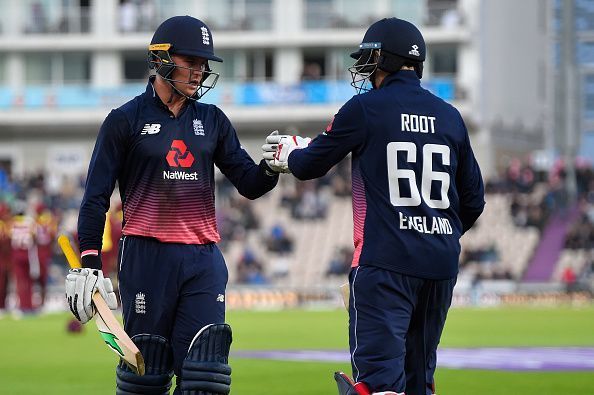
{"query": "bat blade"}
pixel 109 327
pixel 115 337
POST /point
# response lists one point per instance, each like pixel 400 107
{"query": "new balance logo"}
pixel 414 51
pixel 151 128
pixel 221 298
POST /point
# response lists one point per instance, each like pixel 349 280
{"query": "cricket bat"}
pixel 109 327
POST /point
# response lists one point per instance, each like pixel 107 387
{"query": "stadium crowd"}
pixel 33 210
pixel 534 196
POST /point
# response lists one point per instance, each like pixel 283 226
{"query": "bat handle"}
pixel 68 251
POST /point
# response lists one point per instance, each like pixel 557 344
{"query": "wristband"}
pixel 91 261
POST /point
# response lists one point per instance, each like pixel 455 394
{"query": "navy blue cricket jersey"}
pixel 165 169
pixel 416 184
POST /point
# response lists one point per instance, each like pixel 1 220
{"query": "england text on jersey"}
pixel 424 224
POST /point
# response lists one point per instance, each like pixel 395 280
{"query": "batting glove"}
pixel 277 149
pixel 269 149
pixel 81 284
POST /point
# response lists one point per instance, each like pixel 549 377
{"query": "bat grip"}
pixel 68 251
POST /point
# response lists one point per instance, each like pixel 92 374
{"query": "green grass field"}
pixel 37 356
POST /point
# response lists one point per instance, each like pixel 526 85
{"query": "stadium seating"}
pixel 316 240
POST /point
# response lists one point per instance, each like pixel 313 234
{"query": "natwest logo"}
pixel 178 155
pixel 179 175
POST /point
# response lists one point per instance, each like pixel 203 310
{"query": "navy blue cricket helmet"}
pixel 396 42
pixel 183 35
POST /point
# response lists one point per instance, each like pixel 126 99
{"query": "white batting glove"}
pixel 81 284
pixel 278 147
pixel 269 149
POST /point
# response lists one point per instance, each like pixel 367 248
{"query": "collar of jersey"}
pixel 152 97
pixel 408 77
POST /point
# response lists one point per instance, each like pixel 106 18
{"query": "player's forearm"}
pixel 100 184
pixel 256 181
pixel 306 166
pixel 91 222
pixel 90 232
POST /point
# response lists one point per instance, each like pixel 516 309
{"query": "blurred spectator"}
pixel 245 212
pixel 341 262
pixel 225 190
pixel 496 272
pixel 450 18
pixel 588 272
pixel 518 210
pixel 249 269
pixel 581 235
pixel 310 199
pixel 235 214
pixel 311 71
pixel 148 16
pixel 278 241
pixel 6 186
pixel 526 180
pixel 525 211
pixel 340 178
pixel 128 16
pixel 309 202
pixel 536 216
pixel 341 187
pixel 288 193
pixel 487 254
pixel 225 226
pixel 520 177
pixel 584 180
pixel 73 18
pixel 279 266
pixel 501 273
pixel 556 196
pixel 569 279
pixel 37 19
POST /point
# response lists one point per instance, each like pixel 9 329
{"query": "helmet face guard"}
pixel 160 60
pixel 364 67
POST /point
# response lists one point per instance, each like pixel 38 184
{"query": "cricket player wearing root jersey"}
pixel 161 147
pixel 416 189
